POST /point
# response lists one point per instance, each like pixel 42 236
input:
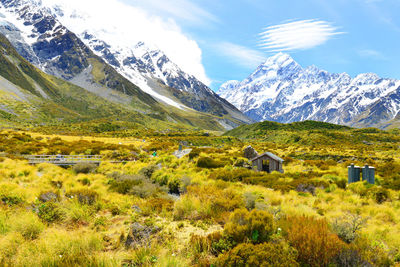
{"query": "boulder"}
pixel 49 196
pixel 182 153
pixel 250 153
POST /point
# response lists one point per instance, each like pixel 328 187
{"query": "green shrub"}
pixel 341 183
pixel 84 167
pixel 185 182
pixel 194 153
pixel 174 186
pixel 83 196
pixel 123 183
pixel 256 226
pixel 209 163
pixel 137 185
pixel 380 194
pixel 213 243
pixel 11 200
pixel 349 257
pixel 85 181
pixel 49 212
pixel 266 254
pixel 148 171
pixel 250 200
pixel 347 227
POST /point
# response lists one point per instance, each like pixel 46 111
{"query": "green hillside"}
pixel 29 97
pixel 262 128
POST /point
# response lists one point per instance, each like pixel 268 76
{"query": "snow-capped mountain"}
pixel 53 39
pixel 283 91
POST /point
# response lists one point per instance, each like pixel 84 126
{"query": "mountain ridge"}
pixel 44 41
pixel 283 91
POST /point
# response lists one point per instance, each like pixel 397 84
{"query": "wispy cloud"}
pixel 186 10
pixel 370 53
pixel 297 35
pixel 240 55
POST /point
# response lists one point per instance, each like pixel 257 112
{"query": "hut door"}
pixel 265 165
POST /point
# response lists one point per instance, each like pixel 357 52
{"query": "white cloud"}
pixel 240 55
pixel 122 24
pixel 370 53
pixel 179 9
pixel 297 35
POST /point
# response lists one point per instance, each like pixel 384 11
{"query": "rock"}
pixel 136 209
pixel 49 196
pixel 140 235
pixel 250 153
pixel 181 154
pixel 306 188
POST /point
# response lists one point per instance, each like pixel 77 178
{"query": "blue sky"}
pixel 353 36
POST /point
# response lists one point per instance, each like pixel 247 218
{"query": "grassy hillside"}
pixel 30 97
pixel 262 128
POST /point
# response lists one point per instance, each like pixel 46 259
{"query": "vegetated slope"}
pixel 262 128
pixel 283 91
pixel 29 96
pixel 114 74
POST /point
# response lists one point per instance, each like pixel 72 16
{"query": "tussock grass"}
pixel 90 219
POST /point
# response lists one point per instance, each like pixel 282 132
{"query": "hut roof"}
pixel 270 155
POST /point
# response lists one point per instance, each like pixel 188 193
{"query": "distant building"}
pixel 268 162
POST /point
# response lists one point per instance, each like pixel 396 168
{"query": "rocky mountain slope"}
pixel 30 97
pixel 141 77
pixel 283 91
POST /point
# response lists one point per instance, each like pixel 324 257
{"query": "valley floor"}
pixel 204 209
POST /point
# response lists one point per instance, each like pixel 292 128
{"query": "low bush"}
pixel 10 195
pixel 315 244
pixel 194 153
pixel 209 163
pixel 148 171
pixel 250 200
pixel 349 257
pixel 380 194
pixel 83 196
pixel 49 212
pixel 348 227
pixel 266 254
pixel 11 200
pixel 84 167
pixel 256 226
pixel 137 185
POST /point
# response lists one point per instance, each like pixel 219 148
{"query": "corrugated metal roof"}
pixel 269 154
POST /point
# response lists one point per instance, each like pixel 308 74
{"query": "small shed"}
pixel 268 162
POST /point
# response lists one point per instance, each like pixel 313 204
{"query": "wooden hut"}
pixel 268 162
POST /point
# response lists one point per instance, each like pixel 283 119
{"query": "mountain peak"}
pixel 281 90
pixel 280 59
